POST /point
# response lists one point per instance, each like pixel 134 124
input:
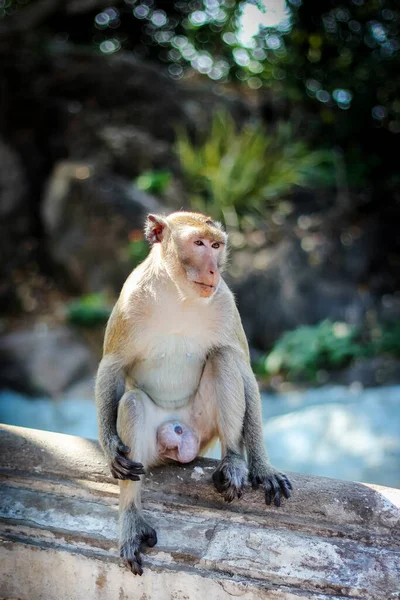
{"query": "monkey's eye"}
pixel 215 245
pixel 199 243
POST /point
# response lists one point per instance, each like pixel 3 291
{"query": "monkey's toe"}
pixel 130 552
pixel 276 486
pixel 130 549
pixel 124 468
pixel 230 478
pixel 149 537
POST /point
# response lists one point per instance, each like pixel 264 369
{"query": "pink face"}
pixel 203 256
pixel 177 441
pixel 198 247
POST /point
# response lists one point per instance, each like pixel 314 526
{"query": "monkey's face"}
pixel 194 251
pixel 200 253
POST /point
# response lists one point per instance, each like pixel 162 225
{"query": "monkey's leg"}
pixel 133 425
pixel 261 471
pixel 223 377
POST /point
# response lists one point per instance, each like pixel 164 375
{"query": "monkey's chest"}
pixel 171 371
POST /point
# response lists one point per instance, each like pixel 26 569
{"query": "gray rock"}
pixel 44 361
pixel 132 147
pixel 15 223
pixel 13 183
pixel 88 214
pixel 58 504
pixel 291 292
pixel 370 372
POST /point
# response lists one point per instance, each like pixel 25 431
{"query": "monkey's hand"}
pixel 121 466
pixel 230 476
pixel 276 484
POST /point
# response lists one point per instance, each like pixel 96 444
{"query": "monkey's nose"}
pixel 212 273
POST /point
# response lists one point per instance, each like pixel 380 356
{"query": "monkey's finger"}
pixel 231 493
pixel 220 481
pixel 127 476
pixel 276 491
pixel 120 472
pixel 255 482
pixel 224 487
pixel 284 485
pixel 128 465
pixel 135 567
pixel 122 475
pixel 235 478
pixel 268 489
pixel 150 539
pixel 287 480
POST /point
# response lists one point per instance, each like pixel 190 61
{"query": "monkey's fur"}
pixel 175 349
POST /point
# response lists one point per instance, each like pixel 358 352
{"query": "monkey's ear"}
pixel 154 229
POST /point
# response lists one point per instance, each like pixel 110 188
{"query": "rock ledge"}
pixel 333 539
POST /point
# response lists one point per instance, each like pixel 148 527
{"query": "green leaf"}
pixel 89 311
pixel 245 169
pixel 155 182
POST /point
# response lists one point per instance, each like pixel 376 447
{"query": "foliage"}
pixel 308 349
pixel 155 182
pixel 246 169
pixel 387 340
pixel 339 61
pixel 94 309
pixel 89 311
pixel 334 64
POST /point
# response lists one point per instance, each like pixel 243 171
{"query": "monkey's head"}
pixel 193 249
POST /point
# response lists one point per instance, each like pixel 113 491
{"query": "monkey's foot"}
pixel 230 476
pixel 276 484
pixel 131 548
pixel 122 467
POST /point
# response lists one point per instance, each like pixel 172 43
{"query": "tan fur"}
pixel 177 351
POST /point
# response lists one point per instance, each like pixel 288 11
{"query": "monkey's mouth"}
pixel 205 285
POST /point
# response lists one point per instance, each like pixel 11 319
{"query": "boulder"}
pixel 292 291
pixel 12 182
pixel 44 361
pixel 89 214
pixel 15 226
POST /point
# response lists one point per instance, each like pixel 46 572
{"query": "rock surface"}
pixel 291 291
pixel 89 213
pixel 44 360
pixel 59 522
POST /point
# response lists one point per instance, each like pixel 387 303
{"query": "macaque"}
pixel 176 375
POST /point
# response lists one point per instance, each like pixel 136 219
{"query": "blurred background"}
pixel 282 120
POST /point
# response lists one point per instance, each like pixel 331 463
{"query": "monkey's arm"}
pixel 260 469
pixel 110 387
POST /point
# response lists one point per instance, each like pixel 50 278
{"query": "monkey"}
pixel 176 375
